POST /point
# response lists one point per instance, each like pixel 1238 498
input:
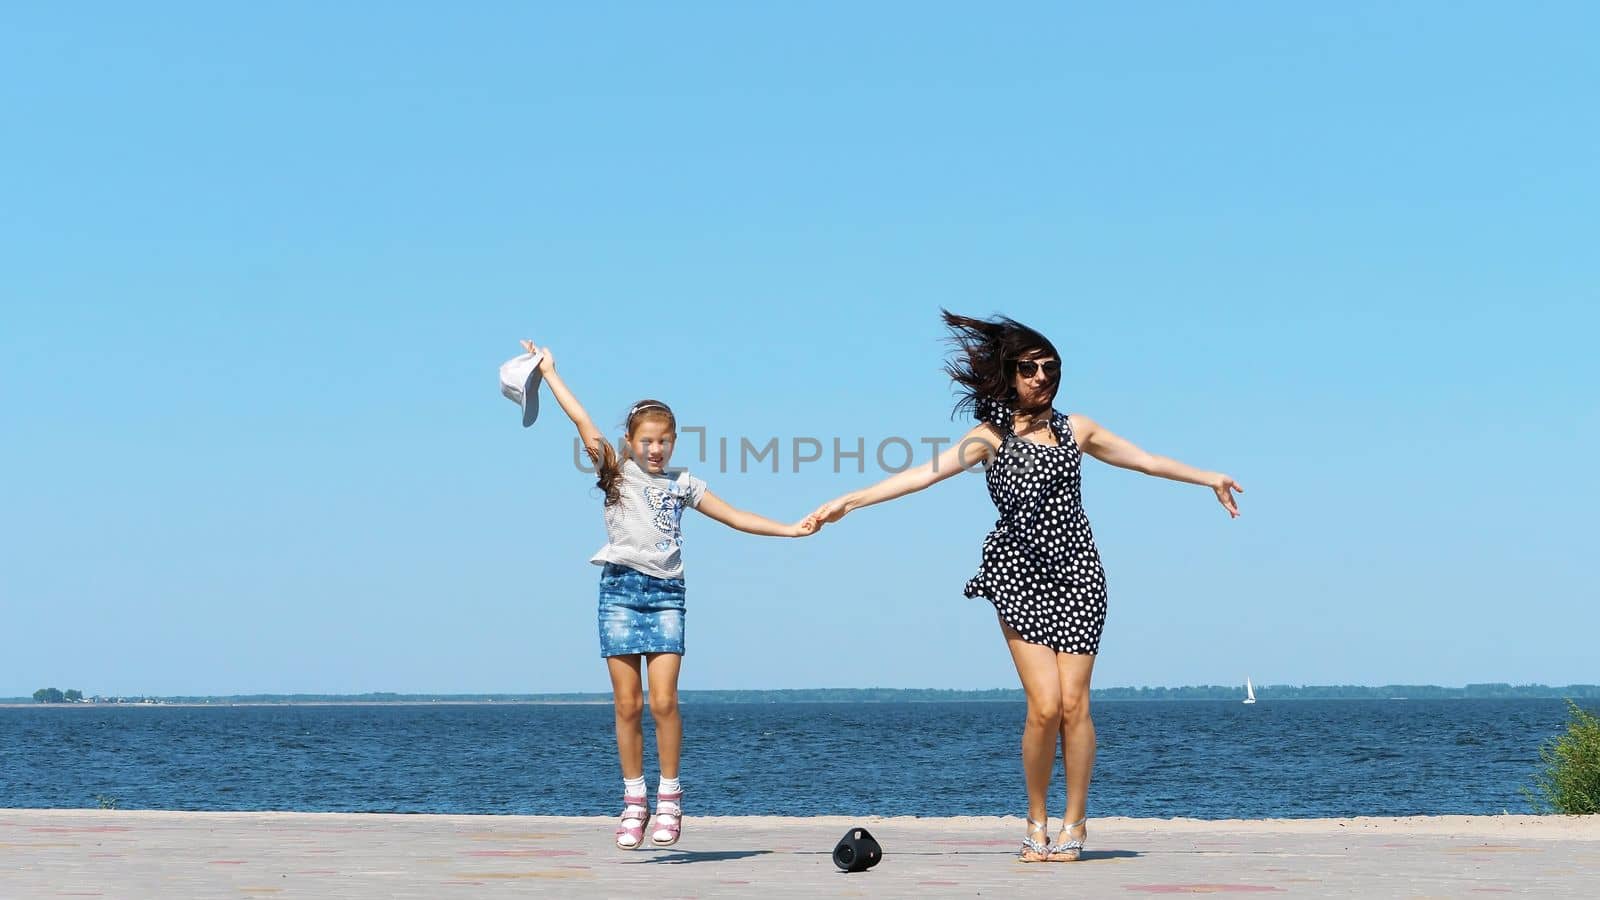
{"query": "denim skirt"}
pixel 639 613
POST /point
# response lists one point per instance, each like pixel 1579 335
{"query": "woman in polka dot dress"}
pixel 1040 567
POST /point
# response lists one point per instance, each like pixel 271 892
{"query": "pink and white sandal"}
pixel 630 831
pixel 669 819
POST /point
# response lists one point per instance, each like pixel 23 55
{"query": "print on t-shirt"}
pixel 668 509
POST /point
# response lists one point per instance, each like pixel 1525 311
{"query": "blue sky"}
pixel 261 265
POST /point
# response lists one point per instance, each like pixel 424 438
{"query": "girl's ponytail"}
pixel 610 470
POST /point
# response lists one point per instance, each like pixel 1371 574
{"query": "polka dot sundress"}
pixel 1040 566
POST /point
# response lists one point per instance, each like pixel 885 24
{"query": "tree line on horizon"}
pixel 52 695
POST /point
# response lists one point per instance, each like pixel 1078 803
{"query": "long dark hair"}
pixel 987 351
pixel 607 461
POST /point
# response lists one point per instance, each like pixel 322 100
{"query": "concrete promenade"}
pixel 126 854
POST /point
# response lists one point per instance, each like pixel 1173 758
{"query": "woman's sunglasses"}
pixel 1027 368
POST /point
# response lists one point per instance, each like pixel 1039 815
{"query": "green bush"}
pixel 1569 782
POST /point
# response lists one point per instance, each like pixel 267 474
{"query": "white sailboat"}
pixel 1249 691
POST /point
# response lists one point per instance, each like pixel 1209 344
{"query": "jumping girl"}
pixel 641 614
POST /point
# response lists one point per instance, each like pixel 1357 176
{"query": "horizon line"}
pixel 509 695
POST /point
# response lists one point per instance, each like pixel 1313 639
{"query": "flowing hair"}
pixel 985 364
pixel 606 460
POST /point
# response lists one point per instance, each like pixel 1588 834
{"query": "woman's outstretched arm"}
pixel 975 446
pixel 1100 443
pixel 591 436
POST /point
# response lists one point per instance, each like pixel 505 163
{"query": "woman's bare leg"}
pixel 1077 734
pixel 1041 683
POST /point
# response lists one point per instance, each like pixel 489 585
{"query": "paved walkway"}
pixel 92 853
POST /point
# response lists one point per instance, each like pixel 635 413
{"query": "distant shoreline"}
pixel 1213 693
pixel 221 703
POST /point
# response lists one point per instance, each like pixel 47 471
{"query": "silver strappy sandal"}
pixel 1040 851
pixel 1072 849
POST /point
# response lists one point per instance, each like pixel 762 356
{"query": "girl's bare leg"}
pixel 664 669
pixel 627 692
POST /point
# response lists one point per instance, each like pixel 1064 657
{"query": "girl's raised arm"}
pixel 593 440
pixel 975 446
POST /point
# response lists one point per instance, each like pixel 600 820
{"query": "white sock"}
pixel 633 787
pixel 668 786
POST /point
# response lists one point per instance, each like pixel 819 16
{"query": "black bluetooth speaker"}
pixel 857 851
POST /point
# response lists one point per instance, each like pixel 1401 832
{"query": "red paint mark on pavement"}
pixel 1493 848
pixel 1203 888
pixel 539 853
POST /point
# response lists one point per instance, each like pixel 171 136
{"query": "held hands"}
pixel 830 512
pixel 813 523
pixel 1225 488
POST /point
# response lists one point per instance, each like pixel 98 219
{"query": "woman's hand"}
pixel 833 510
pixel 1225 488
pixel 807 526
pixel 547 363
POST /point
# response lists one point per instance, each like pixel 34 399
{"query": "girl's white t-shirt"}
pixel 644 527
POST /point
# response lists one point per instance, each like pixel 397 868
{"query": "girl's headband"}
pixel 648 404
